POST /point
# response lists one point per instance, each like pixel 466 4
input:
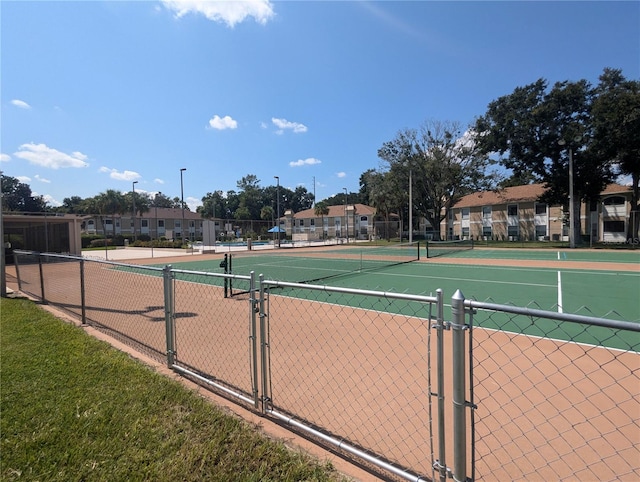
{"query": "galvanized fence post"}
pixel 16 257
pixel 44 298
pixel 169 314
pixel 264 349
pixel 441 465
pixel 83 304
pixel 458 328
pixel 253 305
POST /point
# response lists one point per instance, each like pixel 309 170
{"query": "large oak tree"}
pixel 443 164
pixel 535 131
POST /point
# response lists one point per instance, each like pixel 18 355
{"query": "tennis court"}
pixel 595 283
pixel 359 364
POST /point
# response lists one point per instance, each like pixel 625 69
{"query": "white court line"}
pixel 559 292
pixel 559 288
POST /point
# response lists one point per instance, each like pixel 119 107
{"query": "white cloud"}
pixel 45 156
pixel 158 181
pixel 42 179
pixel 223 123
pixel 224 11
pixel 284 124
pixel 20 103
pixel 193 203
pixel 341 174
pixel 310 161
pixel 120 176
pixel 24 179
pixel 5 157
pixel 626 180
pixel 50 200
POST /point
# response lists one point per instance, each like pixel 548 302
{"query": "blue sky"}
pixel 96 95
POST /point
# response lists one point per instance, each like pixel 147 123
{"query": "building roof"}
pixel 515 194
pixel 170 213
pixel 40 217
pixel 508 195
pixel 337 211
pixel 616 189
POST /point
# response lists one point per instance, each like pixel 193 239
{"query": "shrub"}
pixel 99 243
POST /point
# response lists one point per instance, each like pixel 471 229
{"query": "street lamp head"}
pixel 183 169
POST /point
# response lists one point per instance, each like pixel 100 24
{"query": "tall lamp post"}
pixel 3 274
pixel 346 219
pixel 182 203
pixel 277 178
pixel 133 218
pixel 572 238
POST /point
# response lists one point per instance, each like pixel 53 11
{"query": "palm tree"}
pixel 110 203
pixel 321 209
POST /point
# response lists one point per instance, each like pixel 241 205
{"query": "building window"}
pixel 486 212
pixel 541 230
pixel 512 232
pixel 144 223
pixel 313 222
pixel 614 201
pixel 613 226
pixel 161 223
pixel 465 213
pixel 541 209
pixel 486 232
pixel 465 233
pixel 512 210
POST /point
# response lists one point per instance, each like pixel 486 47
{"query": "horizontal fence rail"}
pixel 557 395
pixel 497 392
pixel 354 362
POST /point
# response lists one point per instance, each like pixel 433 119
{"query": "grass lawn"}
pixel 74 408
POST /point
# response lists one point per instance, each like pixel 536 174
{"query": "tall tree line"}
pixel 529 133
pixel 534 130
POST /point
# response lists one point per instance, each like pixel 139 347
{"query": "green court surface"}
pixel 592 256
pixel 596 293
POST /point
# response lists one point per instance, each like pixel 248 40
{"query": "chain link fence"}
pixel 494 393
pixel 557 398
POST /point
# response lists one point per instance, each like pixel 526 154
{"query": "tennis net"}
pixel 447 248
pixel 310 267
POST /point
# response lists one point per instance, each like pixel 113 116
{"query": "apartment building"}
pixel 517 214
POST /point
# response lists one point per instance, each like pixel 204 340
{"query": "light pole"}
pixel 3 273
pixel 182 203
pixel 133 218
pixel 278 207
pixel 572 238
pixel 346 219
pixel 410 207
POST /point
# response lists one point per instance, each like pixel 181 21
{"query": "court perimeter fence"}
pixel 495 392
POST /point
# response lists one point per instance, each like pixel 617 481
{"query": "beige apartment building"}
pixel 516 214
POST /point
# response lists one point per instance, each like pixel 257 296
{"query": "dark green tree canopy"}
pixel 250 200
pixel 440 164
pixel 17 196
pixel 160 200
pixel 535 131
